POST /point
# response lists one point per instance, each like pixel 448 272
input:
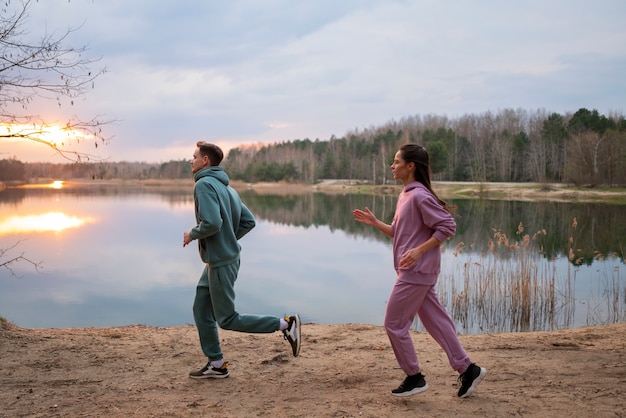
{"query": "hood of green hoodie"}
pixel 216 172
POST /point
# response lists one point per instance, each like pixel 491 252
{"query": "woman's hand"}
pixel 410 257
pixel 365 217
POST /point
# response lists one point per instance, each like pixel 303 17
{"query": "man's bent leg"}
pixel 221 284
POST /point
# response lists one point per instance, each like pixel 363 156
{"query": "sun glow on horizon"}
pixel 56 184
pixel 51 134
pixel 47 222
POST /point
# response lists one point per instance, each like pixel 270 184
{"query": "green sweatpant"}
pixel 214 306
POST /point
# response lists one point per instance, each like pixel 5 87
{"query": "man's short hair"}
pixel 212 151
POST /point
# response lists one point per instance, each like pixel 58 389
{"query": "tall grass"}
pixel 515 286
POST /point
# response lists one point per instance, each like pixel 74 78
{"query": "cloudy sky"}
pixel 238 72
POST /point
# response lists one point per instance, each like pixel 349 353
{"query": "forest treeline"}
pixel 583 148
pixel 506 146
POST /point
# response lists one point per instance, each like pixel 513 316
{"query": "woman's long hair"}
pixel 417 154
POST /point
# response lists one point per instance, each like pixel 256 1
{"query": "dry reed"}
pixel 514 286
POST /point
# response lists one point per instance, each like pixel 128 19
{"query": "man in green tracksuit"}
pixel 221 220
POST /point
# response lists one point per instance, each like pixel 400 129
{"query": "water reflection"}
pixel 45 222
pixel 125 263
pixel 600 228
pixel 524 266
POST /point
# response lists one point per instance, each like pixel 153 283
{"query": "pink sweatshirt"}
pixel 418 217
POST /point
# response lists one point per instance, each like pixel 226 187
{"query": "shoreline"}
pixel 535 192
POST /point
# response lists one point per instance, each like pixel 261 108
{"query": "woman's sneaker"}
pixel 292 333
pixel 210 372
pixel 470 379
pixel 411 385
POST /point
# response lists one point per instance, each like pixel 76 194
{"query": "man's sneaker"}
pixel 470 379
pixel 411 385
pixel 292 333
pixel 210 372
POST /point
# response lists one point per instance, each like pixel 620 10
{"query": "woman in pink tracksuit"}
pixel 421 223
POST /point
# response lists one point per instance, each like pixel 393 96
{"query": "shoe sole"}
pixel 475 383
pixel 296 349
pixel 414 391
pixel 211 376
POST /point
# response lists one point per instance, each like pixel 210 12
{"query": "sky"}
pixel 246 72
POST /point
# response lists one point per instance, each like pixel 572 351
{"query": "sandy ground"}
pixel 343 371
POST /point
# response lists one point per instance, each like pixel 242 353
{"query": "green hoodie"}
pixel 221 217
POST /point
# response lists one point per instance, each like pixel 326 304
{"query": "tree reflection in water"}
pixel 496 283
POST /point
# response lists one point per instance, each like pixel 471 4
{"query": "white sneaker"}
pixel 292 333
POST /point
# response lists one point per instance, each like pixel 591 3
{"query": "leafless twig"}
pixel 6 263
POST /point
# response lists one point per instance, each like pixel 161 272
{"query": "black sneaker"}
pixel 411 385
pixel 210 372
pixel 292 333
pixel 470 379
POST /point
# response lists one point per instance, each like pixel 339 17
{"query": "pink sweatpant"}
pixel 406 301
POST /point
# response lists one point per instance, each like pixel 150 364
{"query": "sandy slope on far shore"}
pixel 343 371
pixel 533 192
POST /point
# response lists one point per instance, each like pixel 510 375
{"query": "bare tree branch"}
pixel 6 263
pixel 73 132
pixel 45 69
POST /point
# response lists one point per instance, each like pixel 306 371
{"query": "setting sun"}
pixel 57 184
pixel 52 134
pixel 46 222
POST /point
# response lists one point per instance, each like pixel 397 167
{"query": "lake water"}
pixel 112 255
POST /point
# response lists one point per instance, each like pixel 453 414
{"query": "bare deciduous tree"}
pixel 42 69
pixel 46 69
